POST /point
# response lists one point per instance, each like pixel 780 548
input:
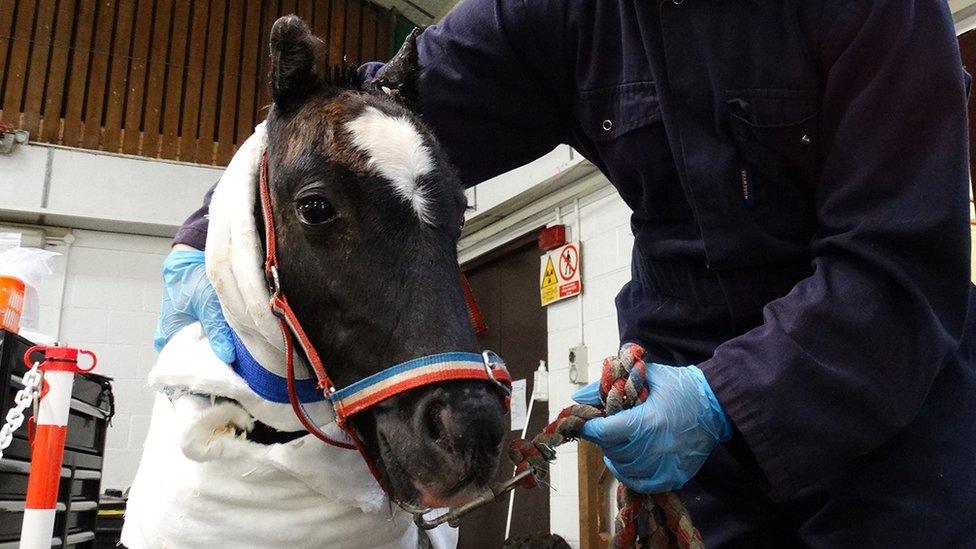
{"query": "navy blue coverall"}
pixel 797 171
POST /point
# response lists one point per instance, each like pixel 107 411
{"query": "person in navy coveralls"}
pixel 798 176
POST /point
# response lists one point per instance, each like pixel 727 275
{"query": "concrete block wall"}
pixel 603 229
pixel 111 300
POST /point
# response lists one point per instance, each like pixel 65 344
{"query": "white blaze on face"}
pixel 397 151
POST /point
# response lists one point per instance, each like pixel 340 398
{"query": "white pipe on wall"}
pixel 67 240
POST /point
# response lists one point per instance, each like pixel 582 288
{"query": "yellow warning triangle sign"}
pixel 549 279
pixel 549 287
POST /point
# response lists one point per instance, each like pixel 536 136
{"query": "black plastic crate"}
pixel 92 406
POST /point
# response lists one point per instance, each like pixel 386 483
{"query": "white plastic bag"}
pixel 31 266
pixel 9 240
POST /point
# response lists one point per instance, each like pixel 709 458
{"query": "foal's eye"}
pixel 315 210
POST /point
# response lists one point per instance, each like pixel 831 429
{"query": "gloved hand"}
pixel 188 296
pixel 659 445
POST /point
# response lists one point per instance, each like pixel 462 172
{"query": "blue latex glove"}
pixel 188 297
pixel 659 445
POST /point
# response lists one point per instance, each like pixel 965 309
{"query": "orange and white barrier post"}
pixel 47 447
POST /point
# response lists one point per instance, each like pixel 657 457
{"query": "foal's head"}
pixel 368 214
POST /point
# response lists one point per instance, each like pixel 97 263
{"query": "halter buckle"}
pixel 492 361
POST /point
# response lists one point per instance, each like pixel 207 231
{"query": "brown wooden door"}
pixel 506 288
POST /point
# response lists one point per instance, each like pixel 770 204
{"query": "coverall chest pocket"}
pixel 622 125
pixel 610 112
pixel 776 135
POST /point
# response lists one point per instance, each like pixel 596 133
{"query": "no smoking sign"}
pixel 559 274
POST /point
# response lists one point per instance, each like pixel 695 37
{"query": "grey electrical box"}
pixel 578 372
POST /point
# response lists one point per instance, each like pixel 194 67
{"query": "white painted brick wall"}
pixel 110 302
pixel 112 299
pixel 606 245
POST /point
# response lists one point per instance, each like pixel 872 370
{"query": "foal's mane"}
pixel 344 76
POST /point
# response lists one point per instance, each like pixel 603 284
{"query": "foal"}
pixel 366 218
pixel 369 211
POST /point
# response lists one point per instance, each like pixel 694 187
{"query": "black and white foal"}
pixel 364 212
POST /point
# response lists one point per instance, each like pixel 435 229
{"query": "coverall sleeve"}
pixel 194 230
pixel 847 358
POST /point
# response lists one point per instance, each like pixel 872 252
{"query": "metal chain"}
pixel 23 399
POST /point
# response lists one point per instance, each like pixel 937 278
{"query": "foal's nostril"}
pixel 461 421
pixel 434 420
pixel 432 417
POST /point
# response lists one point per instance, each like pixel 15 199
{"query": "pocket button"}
pixel 607 125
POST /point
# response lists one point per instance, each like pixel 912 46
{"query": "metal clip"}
pixel 453 516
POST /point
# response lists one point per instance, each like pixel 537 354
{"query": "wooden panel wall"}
pixel 594 488
pixel 176 79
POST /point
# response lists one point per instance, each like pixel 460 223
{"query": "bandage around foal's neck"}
pixel 235 259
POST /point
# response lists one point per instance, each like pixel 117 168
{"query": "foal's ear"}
pixel 292 62
pixel 398 78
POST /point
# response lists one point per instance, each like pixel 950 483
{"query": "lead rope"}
pixel 656 521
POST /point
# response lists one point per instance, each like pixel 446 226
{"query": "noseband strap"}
pixel 371 390
pixel 417 373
